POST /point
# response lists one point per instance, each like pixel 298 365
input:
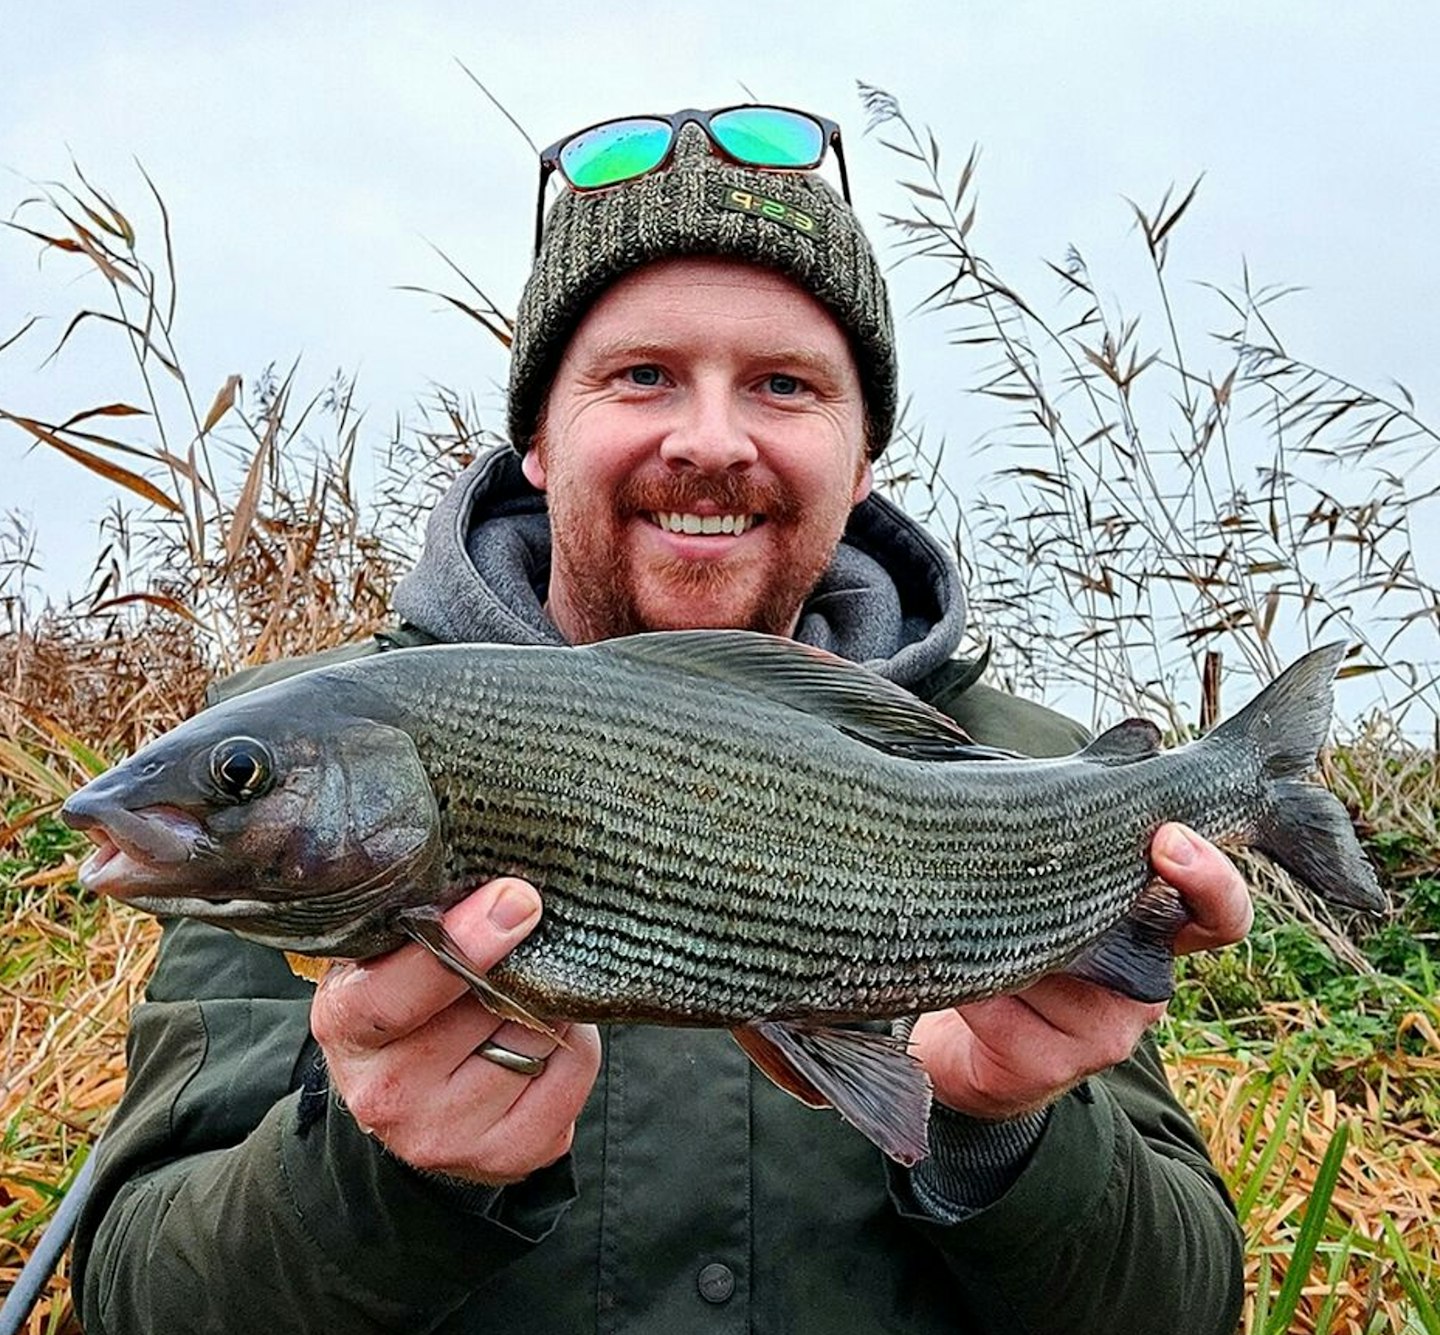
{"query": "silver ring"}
pixel 511 1061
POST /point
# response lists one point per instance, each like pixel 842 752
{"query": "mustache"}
pixel 730 493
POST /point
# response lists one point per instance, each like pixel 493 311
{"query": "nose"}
pixel 100 804
pixel 85 810
pixel 709 432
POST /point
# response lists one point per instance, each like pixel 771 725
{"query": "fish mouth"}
pixel 126 874
pixel 136 850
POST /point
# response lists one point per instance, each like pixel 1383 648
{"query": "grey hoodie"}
pixel 891 598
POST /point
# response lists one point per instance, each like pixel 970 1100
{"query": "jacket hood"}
pixel 890 599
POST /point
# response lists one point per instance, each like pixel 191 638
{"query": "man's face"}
pixel 702 447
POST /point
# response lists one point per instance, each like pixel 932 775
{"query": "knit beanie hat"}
pixel 701 204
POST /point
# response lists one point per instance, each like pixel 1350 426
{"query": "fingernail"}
pixel 514 907
pixel 1179 848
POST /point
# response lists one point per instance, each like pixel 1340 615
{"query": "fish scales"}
pixel 642 902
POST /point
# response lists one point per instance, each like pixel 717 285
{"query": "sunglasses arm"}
pixel 546 167
pixel 840 161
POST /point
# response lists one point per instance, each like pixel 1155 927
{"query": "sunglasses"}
pixel 772 138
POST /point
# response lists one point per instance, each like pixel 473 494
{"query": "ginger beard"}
pixel 618 579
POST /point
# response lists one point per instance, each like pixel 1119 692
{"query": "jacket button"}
pixel 716 1282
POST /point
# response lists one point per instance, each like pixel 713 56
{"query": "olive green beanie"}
pixel 701 204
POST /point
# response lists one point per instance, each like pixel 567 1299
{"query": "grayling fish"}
pixel 726 829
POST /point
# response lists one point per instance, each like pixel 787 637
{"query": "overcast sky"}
pixel 309 154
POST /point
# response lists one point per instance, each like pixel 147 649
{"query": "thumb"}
pixel 375 1002
pixel 495 919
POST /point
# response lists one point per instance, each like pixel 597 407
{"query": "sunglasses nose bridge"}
pixel 701 137
pixel 690 116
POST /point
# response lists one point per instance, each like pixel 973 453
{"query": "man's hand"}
pixel 400 1032
pixel 1007 1055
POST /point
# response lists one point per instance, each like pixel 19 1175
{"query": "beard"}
pixel 607 595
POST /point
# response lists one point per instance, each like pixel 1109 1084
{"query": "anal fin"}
pixel 426 926
pixel 1136 957
pixel 870 1079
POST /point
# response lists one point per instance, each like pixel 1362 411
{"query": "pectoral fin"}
pixel 871 1080
pixel 312 968
pixel 763 1052
pixel 426 926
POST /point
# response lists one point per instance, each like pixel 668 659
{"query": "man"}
pixel 703 373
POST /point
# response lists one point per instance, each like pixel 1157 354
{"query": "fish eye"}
pixel 241 768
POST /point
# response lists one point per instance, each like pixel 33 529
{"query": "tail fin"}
pixel 1304 827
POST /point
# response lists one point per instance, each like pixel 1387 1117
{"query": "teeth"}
pixel 674 522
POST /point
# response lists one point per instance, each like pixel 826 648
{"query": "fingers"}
pixel 363 1007
pixel 1006 1055
pixel 1214 891
pixel 478 1121
pixel 531 1119
pixel 400 1036
pixel 1077 1017
pixel 453 1036
pixel 516 1039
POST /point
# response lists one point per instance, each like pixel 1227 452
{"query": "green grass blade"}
pixel 1338 1262
pixel 1250 1193
pixel 35 775
pixel 1311 1229
pixel 1252 1132
pixel 1261 1318
pixel 1410 1281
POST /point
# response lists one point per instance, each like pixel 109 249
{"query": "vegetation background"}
pixel 309 155
pixel 1180 515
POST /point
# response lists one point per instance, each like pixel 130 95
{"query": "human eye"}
pixel 783 386
pixel 646 375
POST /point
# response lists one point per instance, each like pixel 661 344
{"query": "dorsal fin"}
pixel 850 698
pixel 1125 743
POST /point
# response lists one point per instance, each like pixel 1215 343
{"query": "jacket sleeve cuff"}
pixel 355 1199
pixel 972 1163
pixel 1057 1189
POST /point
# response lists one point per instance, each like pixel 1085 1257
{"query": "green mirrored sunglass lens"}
pixel 769 137
pixel 614 152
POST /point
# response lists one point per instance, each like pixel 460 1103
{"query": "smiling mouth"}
pixel 730 525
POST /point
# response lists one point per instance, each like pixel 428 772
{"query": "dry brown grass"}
pixel 65 1005
pixel 1389 1181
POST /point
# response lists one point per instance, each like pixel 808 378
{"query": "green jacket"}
pixel 234 1194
